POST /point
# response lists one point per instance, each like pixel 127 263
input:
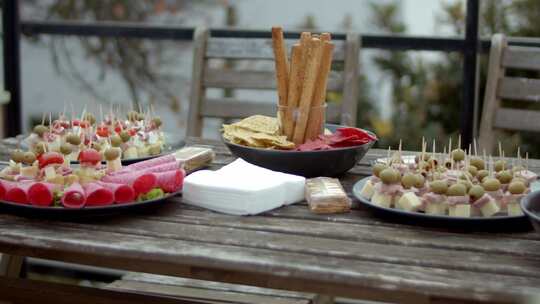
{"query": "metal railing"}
pixel 469 46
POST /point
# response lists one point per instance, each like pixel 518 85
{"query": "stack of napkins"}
pixel 241 188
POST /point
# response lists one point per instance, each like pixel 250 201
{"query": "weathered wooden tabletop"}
pixel 352 255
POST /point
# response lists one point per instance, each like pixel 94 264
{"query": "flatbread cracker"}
pixel 257 131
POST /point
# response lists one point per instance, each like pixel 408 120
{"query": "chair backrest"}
pixel 499 87
pixel 206 76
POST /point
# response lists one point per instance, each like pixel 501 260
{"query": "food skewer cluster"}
pixel 458 183
pixel 301 84
pixel 137 135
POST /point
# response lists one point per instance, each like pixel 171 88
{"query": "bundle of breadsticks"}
pixel 301 83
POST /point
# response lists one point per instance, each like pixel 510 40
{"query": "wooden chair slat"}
pixel 236 108
pixel 516 119
pixel 259 80
pixel 521 57
pixel 256 48
pixel 519 88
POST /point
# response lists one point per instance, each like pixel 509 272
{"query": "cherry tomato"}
pixel 89 157
pixel 49 158
pixel 75 122
pixel 84 124
pixel 102 131
pixel 132 132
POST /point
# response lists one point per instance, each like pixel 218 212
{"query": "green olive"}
pixel 90 118
pixel 465 176
pixel 448 164
pixel 466 183
pixel 29 158
pixel 505 176
pixel 17 156
pixel 116 141
pixel 140 116
pixel 40 148
pixel 157 122
pixel 472 170
pixel 154 149
pixel 73 139
pixel 458 155
pixel 478 163
pixel 500 165
pixel 111 154
pixel 482 174
pixel 438 186
pixel 124 135
pixel 97 146
pixel 517 187
pixel 519 179
pixel 389 176
pixel 132 116
pixel 456 190
pixel 377 168
pixel 66 149
pixel 419 181
pixel 40 130
pixel 476 192
pixel 491 184
pixel 407 181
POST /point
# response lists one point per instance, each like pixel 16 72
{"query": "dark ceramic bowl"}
pixel 530 205
pixel 309 164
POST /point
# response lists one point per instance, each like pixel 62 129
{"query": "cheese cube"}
pixel 436 208
pixel 514 209
pixel 409 202
pixel 30 171
pixel 114 165
pixel 368 190
pixel 460 210
pixel 381 199
pixel 130 152
pixel 490 208
pixel 50 172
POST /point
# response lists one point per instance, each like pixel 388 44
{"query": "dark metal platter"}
pixel 500 223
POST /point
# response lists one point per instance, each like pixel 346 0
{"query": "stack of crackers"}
pixel 301 83
pixel 257 131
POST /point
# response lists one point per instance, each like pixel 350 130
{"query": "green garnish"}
pixel 57 197
pixel 151 195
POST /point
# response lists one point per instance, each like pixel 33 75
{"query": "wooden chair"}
pixel 205 77
pixel 500 87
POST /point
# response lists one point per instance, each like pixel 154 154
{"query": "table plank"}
pixel 171 257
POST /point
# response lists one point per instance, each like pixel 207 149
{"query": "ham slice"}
pixel 74 196
pixel 140 181
pixel 123 193
pixel 170 181
pixel 41 194
pixel 97 195
pixel 169 158
pixel 17 192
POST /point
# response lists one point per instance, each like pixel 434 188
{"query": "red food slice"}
pixel 41 194
pixel 313 145
pixel 140 181
pixel 17 192
pixel 2 189
pixel 97 195
pixel 123 193
pixel 74 196
pixel 170 181
pixel 359 133
pixel 89 157
pixel 50 158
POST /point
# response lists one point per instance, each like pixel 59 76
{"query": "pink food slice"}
pixel 2 189
pixel 170 181
pixel 169 160
pixel 74 196
pixel 123 193
pixel 140 181
pixel 41 194
pixel 97 195
pixel 17 192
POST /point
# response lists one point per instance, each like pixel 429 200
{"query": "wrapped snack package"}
pixel 193 158
pixel 326 195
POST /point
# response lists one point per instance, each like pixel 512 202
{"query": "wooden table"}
pixel 351 255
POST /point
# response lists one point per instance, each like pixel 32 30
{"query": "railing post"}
pixel 12 67
pixel 470 80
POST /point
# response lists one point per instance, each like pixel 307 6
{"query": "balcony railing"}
pixel 469 46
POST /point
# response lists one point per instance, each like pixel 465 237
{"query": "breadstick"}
pixel 326 37
pixel 316 118
pixel 296 76
pixel 313 61
pixel 282 64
